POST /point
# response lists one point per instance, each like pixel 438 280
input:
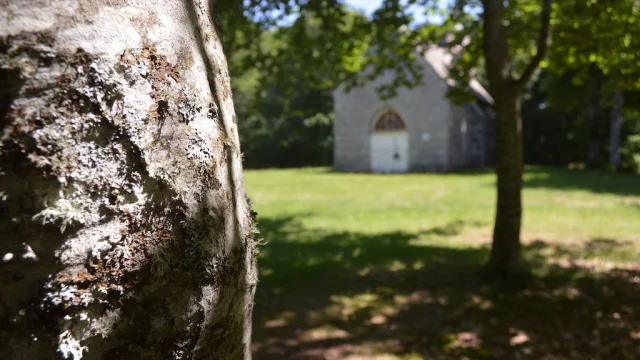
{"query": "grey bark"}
pixel 616 128
pixel 126 231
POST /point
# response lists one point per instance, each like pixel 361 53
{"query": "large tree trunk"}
pixel 126 232
pixel 616 129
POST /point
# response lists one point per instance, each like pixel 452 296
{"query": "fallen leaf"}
pixel 519 338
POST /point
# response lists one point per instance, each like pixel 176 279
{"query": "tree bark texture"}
pixel 616 129
pixel 126 231
pixel 506 91
pixel 505 249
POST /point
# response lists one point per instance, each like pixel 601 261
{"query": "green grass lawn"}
pixel 368 266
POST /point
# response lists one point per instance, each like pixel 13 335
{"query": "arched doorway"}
pixel 389 144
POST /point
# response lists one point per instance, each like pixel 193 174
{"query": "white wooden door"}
pixel 390 152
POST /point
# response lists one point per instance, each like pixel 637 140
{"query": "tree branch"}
pixel 544 41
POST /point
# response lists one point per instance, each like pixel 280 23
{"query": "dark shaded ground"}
pixel 326 295
pixel 596 181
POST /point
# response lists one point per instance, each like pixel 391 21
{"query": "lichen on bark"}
pixel 121 234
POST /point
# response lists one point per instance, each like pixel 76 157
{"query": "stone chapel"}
pixel 420 130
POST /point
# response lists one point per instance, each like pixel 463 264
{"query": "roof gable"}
pixel 440 59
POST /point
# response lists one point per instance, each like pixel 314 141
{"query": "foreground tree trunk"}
pixel 616 129
pixel 506 91
pixel 126 232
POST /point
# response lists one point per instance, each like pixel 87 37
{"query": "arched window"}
pixel 389 121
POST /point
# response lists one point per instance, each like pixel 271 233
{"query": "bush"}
pixel 287 142
pixel 630 155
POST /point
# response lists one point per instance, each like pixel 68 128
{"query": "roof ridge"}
pixel 440 58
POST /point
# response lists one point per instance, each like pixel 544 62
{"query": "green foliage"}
pixel 557 131
pixel 286 141
pixel 284 113
pixel 630 154
pixel 630 151
pixel 600 33
pixel 554 128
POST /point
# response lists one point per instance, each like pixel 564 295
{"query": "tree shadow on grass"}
pixel 594 181
pixel 556 179
pixel 335 295
pixel 567 179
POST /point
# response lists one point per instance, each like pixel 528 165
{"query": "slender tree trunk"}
pixel 505 249
pixel 506 90
pixel 616 128
pixel 126 232
pixel 593 110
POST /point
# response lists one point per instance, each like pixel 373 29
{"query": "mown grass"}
pixel 385 266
